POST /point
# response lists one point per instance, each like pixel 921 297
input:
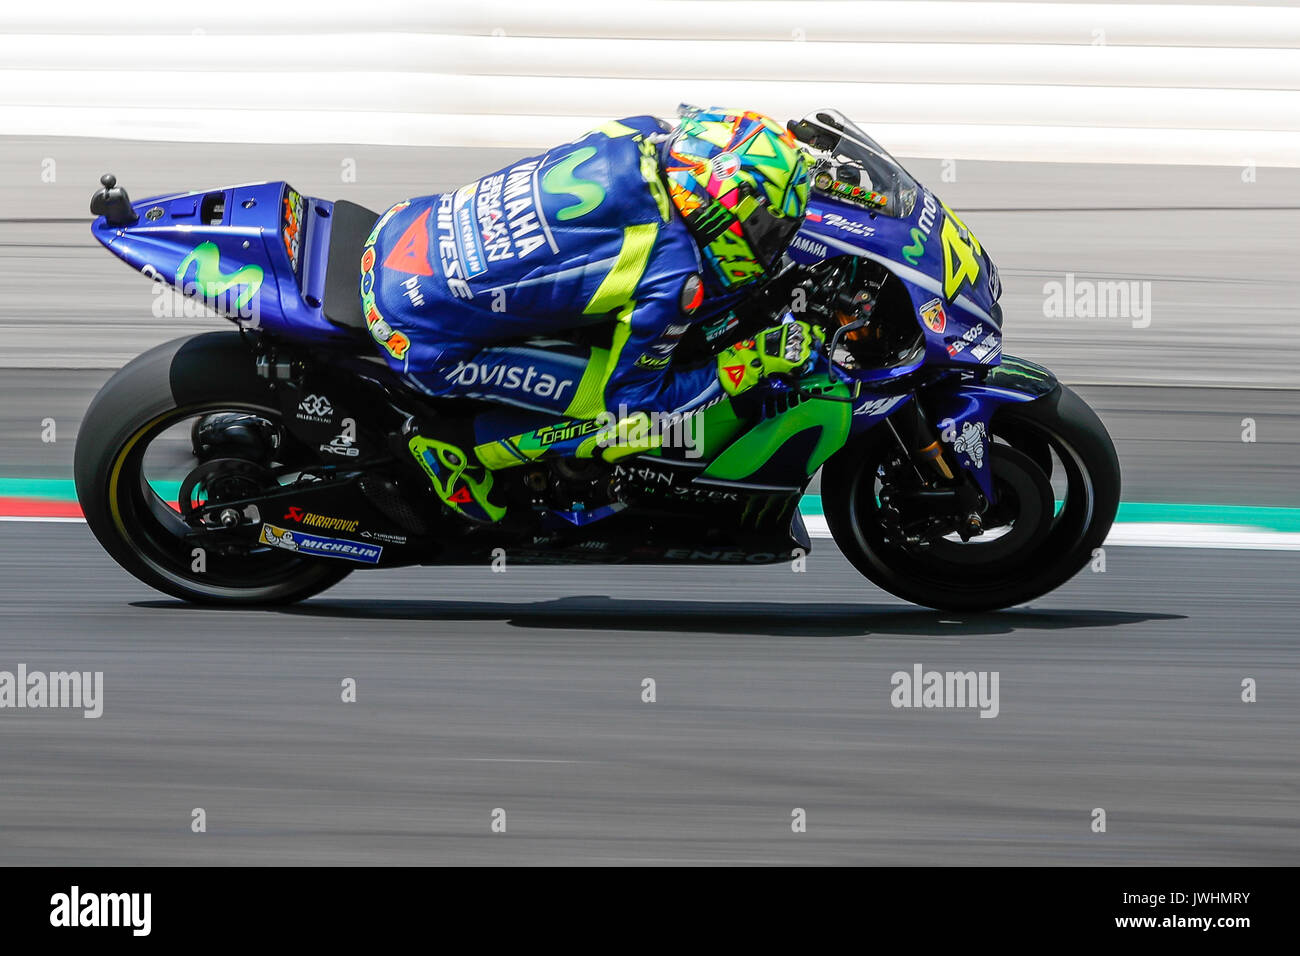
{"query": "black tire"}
pixel 935 576
pixel 185 377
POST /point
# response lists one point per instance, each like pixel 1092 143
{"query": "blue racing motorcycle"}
pixel 264 464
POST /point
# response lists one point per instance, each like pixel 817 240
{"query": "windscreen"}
pixel 849 165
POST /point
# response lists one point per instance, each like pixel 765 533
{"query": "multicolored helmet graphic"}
pixel 741 184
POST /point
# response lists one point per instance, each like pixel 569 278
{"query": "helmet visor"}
pixel 768 235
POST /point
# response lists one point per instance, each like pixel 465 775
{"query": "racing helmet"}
pixel 741 184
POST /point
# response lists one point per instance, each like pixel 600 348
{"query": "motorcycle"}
pixel 264 464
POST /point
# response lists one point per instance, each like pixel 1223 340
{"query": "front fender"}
pixel 961 410
pixel 1020 375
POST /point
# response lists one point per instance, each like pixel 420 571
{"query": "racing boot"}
pixel 458 478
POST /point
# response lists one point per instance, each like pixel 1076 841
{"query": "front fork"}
pixel 948 437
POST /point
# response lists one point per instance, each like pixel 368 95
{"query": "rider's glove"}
pixel 775 351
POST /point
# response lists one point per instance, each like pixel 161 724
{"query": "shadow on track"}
pixel 602 613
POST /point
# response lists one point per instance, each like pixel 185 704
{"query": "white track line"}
pixel 1163 535
pixel 1173 535
pixel 38 520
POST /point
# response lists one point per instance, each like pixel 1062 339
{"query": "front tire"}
pixel 1048 544
pixel 141 531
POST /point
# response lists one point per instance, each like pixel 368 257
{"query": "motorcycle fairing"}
pixel 961 411
pixel 791 445
pixel 963 328
pixel 235 247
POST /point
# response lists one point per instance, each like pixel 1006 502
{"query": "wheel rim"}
pixel 157 533
pixel 995 560
pixel 1018 521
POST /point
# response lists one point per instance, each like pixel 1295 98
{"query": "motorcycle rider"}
pixel 656 226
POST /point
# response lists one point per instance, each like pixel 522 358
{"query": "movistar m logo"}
pixel 914 252
pixel 560 181
pixel 921 232
pixel 212 282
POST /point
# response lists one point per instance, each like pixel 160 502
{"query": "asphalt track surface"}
pixel 523 691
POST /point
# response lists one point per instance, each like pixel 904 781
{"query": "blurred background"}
pixel 1115 142
pixel 1152 145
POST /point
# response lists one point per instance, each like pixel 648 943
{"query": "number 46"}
pixel 961 252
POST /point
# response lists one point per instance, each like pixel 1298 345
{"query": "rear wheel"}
pixel 138 474
pixel 1056 481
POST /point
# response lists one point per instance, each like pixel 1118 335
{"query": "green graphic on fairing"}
pixel 703 433
pixel 716 428
pixel 1021 375
pixel 768 509
pixel 212 282
pixel 559 180
pixel 714 434
pixel 832 417
pixel 913 253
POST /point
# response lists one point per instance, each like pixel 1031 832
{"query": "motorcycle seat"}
pixel 350 227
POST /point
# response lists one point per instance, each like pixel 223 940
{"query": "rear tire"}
pixel 213 371
pixel 959 577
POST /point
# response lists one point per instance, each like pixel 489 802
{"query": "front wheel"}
pixel 1057 484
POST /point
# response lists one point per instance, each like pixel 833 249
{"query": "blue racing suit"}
pixel 458 287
